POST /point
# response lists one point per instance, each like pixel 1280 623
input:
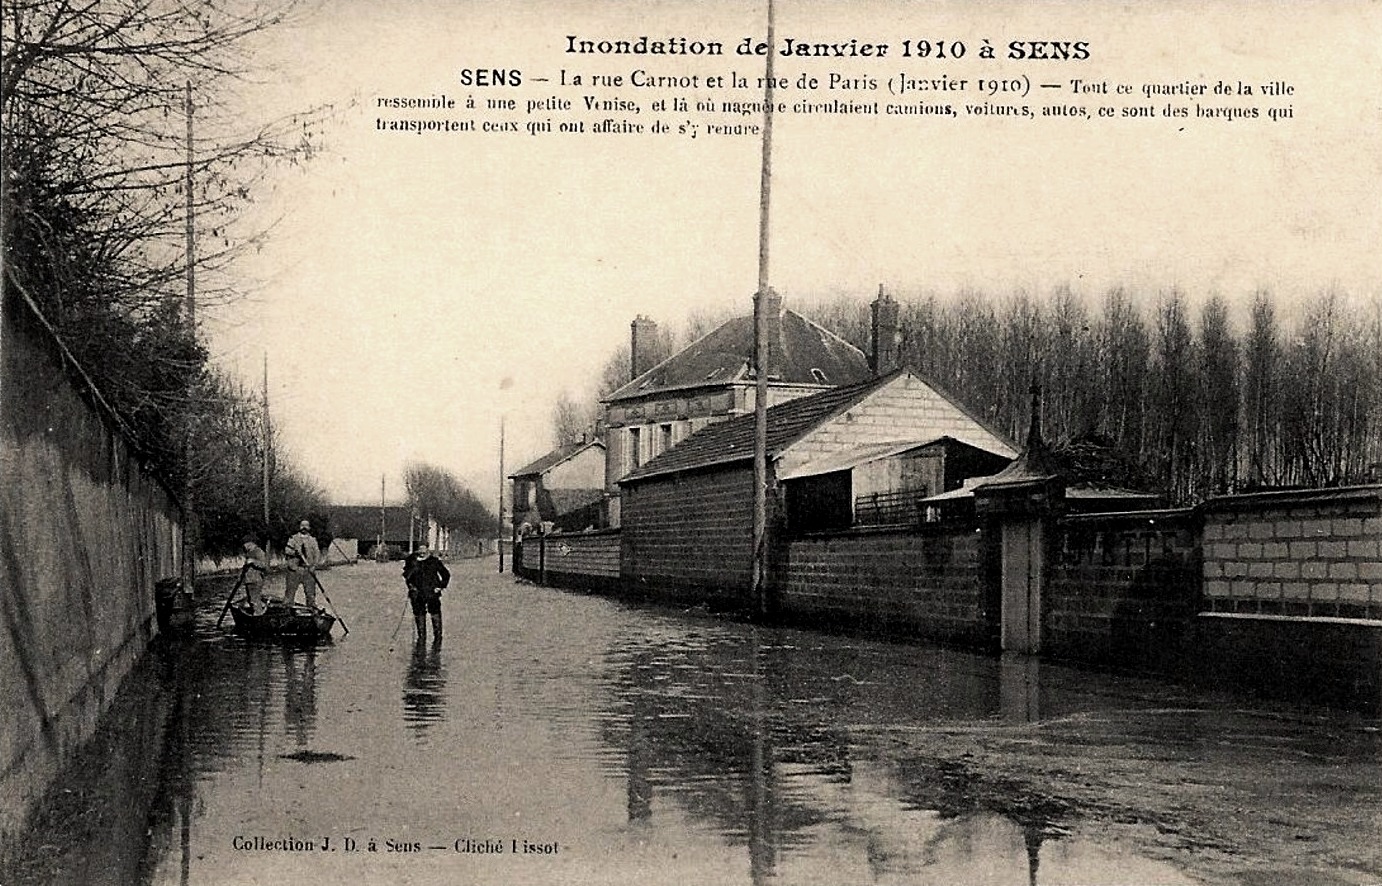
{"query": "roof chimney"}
pixel 642 346
pixel 886 354
pixel 772 321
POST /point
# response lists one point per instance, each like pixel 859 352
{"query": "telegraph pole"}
pixel 760 350
pixel 189 533
pixel 501 492
pixel 267 448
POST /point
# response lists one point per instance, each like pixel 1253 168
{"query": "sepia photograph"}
pixel 646 442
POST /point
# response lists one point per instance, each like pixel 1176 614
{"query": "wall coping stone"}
pixel 1290 497
pixel 1303 619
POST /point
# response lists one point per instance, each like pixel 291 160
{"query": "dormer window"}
pixel 819 376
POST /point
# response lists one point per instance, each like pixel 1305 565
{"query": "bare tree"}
pixel 103 175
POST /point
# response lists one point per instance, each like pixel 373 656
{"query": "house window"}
pixel 666 438
pixel 635 447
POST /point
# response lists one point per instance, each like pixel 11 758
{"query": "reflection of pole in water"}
pixel 1032 837
pixel 640 788
pixel 762 853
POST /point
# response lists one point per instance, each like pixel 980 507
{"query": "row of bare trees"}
pixel 437 493
pixel 1199 398
pixel 1205 397
pixel 116 209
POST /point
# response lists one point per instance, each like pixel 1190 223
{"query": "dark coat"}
pixel 425 573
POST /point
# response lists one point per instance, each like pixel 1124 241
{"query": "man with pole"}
pixel 302 556
pixel 426 577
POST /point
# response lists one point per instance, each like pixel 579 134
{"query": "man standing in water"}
pixel 252 573
pixel 426 577
pixel 302 556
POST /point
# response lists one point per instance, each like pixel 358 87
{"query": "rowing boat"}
pixel 280 621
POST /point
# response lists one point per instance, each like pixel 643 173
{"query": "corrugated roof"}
pixel 554 458
pixel 732 441
pixel 811 354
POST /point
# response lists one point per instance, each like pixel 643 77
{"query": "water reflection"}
pixel 299 693
pixel 671 748
pixel 424 687
pixel 781 740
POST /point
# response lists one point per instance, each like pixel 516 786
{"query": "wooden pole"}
pixel 189 533
pixel 501 492
pixel 267 441
pixel 760 349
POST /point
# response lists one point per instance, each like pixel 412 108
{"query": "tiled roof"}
pixel 554 458
pixel 732 441
pixel 811 354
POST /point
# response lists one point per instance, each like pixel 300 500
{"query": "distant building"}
pixel 712 380
pixel 401 529
pixel 687 513
pixel 565 487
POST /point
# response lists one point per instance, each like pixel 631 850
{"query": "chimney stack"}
pixel 772 319
pixel 886 355
pixel 642 346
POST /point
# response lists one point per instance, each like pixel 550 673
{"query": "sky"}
pixel 419 289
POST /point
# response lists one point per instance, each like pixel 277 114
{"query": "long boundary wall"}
pixel 85 531
pixel 1122 590
pixel 1293 590
pixel 930 582
pixel 584 561
pixel 1276 593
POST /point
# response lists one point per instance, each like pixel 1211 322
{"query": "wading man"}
pixel 426 577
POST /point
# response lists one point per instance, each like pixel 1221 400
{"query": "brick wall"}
pixel 690 536
pixel 1122 589
pixel 1308 553
pixel 932 581
pixel 587 560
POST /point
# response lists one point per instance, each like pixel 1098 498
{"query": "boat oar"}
pixel 229 597
pixel 344 627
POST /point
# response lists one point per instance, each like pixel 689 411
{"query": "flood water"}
pixel 561 738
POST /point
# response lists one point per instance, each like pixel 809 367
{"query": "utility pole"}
pixel 501 492
pixel 760 351
pixel 267 448
pixel 382 536
pixel 189 529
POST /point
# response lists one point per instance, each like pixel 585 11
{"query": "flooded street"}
pixel 561 738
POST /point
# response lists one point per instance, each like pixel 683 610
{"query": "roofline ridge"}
pixel 656 366
pixel 943 391
pixel 828 331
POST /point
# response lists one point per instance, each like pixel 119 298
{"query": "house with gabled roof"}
pixel 712 380
pixel 565 487
pixel 687 513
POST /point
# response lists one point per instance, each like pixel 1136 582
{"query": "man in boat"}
pixel 302 556
pixel 426 577
pixel 252 573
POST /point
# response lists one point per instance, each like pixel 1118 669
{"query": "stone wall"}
pixel 1293 594
pixel 930 581
pixel 1122 589
pixel 1300 553
pixel 586 560
pixel 85 531
pixel 690 536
